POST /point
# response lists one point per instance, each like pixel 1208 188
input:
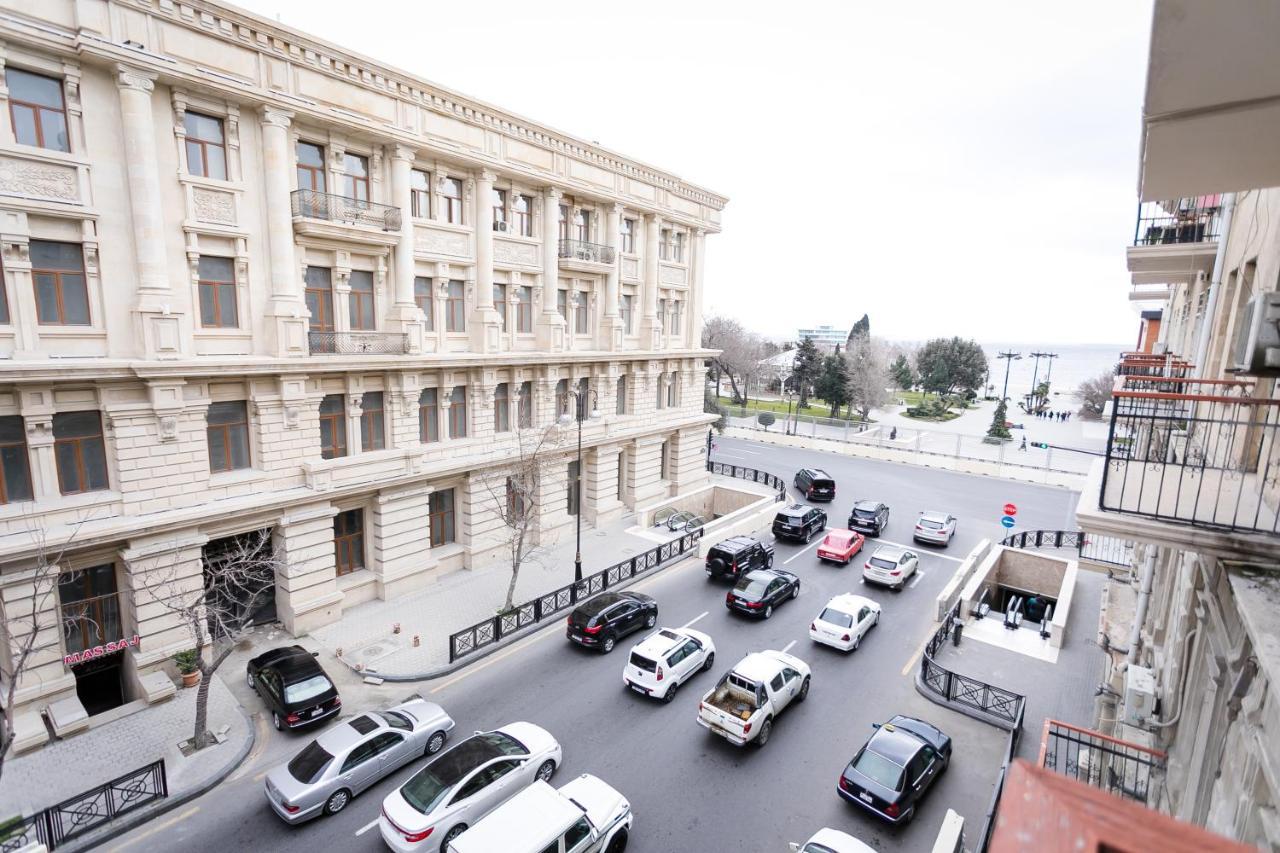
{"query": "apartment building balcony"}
pixel 1174 240
pixel 357 343
pixel 586 257
pixel 327 215
pixel 1152 364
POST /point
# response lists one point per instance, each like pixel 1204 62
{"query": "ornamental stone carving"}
pixel 511 252
pixel 631 268
pixel 442 242
pixel 674 275
pixel 213 206
pixel 44 180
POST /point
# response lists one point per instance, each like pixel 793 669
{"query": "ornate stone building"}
pixel 252 280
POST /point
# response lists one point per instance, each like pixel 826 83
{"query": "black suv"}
pixel 870 517
pixel 734 557
pixel 799 522
pixel 816 484
pixel 294 687
pixel 891 773
pixel 603 620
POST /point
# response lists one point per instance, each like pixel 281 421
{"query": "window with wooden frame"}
pixel 228 434
pixel 502 408
pixel 455 308
pixel 582 225
pixel 499 209
pixel 562 224
pixel 80 452
pixel 419 194
pixel 37 109
pixel 581 317
pixel 319 297
pixel 348 541
pixel 89 607
pixel 429 416
pixel 522 213
pixel 373 430
pixel 355 176
pixel 562 303
pixel 677 246
pixel 216 279
pixel 451 200
pixel 677 307
pixel 441 513
pixel 524 310
pixel 62 294
pixel 206 146
pixel 311 167
pixel 621 392
pixel 458 412
pixel 360 301
pixel 628 313
pixel 524 405
pixel 15 462
pixel 423 298
pixel 629 236
pixel 333 426
pixel 660 381
pixel 562 398
pixel 500 304
pixel 673 391
pixel 664 244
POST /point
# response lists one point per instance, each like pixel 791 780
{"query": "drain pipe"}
pixel 1140 613
pixel 1215 285
pixel 1183 677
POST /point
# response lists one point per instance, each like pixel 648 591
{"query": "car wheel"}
pixel 857 638
pixel 337 801
pixel 546 770
pixel 709 662
pixel 618 843
pixel 277 722
pixel 651 620
pixel 909 816
pixel 671 693
pixel 434 743
pixel 606 646
pixel 765 730
pixel 248 679
pixel 876 620
pixel 768 610
pixel 768 562
pixel 453 833
pixel 808 535
pixel 804 690
pixel 795 590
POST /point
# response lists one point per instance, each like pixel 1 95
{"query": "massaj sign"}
pixel 100 651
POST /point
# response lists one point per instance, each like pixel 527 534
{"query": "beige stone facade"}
pixel 252 280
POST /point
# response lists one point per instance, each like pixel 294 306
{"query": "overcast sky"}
pixel 948 168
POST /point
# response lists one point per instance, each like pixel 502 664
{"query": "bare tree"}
pixel 741 352
pixel 217 609
pixel 1094 394
pixel 868 375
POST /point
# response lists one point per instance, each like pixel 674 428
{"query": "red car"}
pixel 840 545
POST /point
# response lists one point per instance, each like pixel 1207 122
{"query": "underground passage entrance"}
pixel 1032 605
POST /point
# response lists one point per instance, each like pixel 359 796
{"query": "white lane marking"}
pixel 919 577
pixel 806 548
pixel 368 826
pixel 788 646
pixel 720 454
pixel 694 619
pixel 748 452
pixel 921 551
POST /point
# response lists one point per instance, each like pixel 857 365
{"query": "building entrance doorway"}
pixel 99 683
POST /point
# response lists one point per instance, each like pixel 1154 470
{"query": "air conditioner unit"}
pixel 1139 696
pixel 1256 350
pixel 500 226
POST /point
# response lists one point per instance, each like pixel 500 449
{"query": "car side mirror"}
pixel 873 725
pixel 793 845
pixel 315 654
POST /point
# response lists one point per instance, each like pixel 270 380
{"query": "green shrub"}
pixel 766 419
pixel 188 661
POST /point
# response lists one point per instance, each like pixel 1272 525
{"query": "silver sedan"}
pixel 353 755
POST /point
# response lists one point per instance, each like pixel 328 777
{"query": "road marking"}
pixel 694 619
pixel 748 452
pixel 723 455
pixel 919 577
pixel 921 551
pixel 153 830
pixel 806 548
pixel 911 662
pixel 788 646
pixel 368 826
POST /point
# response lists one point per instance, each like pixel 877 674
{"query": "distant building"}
pixel 826 337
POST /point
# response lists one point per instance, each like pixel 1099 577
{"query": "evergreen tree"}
pixel 861 329
pixel 833 383
pixel 903 376
pixel 805 371
pixel 997 428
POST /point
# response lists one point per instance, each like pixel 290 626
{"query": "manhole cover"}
pixel 373 650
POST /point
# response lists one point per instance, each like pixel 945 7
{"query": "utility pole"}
pixel 1009 358
pixel 1035 374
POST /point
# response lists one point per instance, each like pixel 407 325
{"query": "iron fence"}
pixel 338 208
pixel 357 343
pixel 1183 220
pixel 961 689
pixel 581 250
pixel 87 811
pixel 1088 546
pixel 1148 364
pixel 497 628
pixel 989 821
pixel 756 476
pixel 21 833
pixel 1116 766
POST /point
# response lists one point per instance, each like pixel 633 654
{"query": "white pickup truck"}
pixel 742 706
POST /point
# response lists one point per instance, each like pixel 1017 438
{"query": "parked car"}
pixel 935 527
pixel 799 522
pixel 351 756
pixel 600 622
pixel 759 592
pixel 293 686
pixel 869 517
pixel 736 556
pixel 742 706
pixel 891 566
pixel 895 768
pixel 815 484
pixel 832 841
pixel 839 546
pixel 664 660
pixel 844 622
pixel 586 815
pixel 463 784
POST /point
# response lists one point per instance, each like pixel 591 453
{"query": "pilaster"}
pixel 650 321
pixel 286 308
pixel 610 338
pixel 551 326
pixel 405 314
pixel 307 594
pixel 484 326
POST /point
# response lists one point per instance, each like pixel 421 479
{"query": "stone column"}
pixel 286 307
pixel 162 332
pixel 405 313
pixel 551 329
pixel 484 326
pixel 307 594
pixel 650 322
pixel 611 325
pixel 694 303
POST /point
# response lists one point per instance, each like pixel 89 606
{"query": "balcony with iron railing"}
pixel 1153 364
pixel 590 253
pixel 1173 240
pixel 357 343
pixel 327 207
pixel 1116 766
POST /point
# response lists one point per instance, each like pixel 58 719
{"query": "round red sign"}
pixel 1010 509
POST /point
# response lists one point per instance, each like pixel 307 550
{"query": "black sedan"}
pixel 758 592
pixel 893 770
pixel 600 622
pixel 294 687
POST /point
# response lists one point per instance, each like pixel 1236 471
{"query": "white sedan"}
pixel 832 841
pixel 667 658
pixel 935 527
pixel 844 622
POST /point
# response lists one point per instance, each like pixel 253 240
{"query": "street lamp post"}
pixel 1035 374
pixel 1051 356
pixel 1009 358
pixel 580 414
pixel 786 427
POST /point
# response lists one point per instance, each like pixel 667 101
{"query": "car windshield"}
pixel 641 662
pixel 304 690
pixel 429 786
pixel 879 769
pixel 932 525
pixel 836 617
pixel 864 513
pixel 308 765
pixel 837 541
pixel 882 563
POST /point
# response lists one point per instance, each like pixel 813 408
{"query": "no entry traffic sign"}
pixel 1010 509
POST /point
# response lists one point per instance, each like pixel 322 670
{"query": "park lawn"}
pixel 915 398
pixel 949 416
pixel 815 407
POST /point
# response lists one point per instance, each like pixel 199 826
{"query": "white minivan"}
pixel 586 815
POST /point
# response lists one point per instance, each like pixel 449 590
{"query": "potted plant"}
pixel 189 666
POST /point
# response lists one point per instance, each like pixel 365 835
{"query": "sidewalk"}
pixel 464 597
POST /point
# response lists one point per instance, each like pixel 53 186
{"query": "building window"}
pixel 90 608
pixel 499 210
pixel 584 398
pixel 677 307
pixel 562 398
pixel 428 416
pixel 622 394
pixel 458 412
pixel 522 207
pixel 319 297
pixel 664 461
pixel 80 452
pixel 628 313
pixel 455 319
pixel 348 541
pixel 228 433
pixel 333 426
pixel 572 492
pixel 310 167
pixel 524 310
pixel 4 299
pixel 664 244
pixel 451 200
pixel 355 176
pixel 373 435
pixel 440 508
pixel 360 300
pixel 206 146
pixel 662 396
pixel 629 236
pixel 15 464
pixel 677 246
pixel 517 500
pixel 500 304
pixel 37 109
pixel 581 324
pixel 62 297
pixel 217 293
pixel 662 314
pixel 562 303
pixel 502 408
pixel 524 405
pixel 582 225
pixel 422 297
pixel 622 474
pixel 673 391
pixel 419 194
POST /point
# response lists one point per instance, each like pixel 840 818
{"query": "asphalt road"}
pixel 692 790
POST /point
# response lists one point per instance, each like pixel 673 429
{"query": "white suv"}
pixel 585 816
pixel 891 566
pixel 667 658
pixel 935 527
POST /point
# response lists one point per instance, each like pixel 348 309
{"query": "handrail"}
pixel 338 208
pixel 755 475
pixel 596 253
pixel 1044 740
pixel 88 810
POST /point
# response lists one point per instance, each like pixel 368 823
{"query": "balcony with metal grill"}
pixel 1174 240
pixel 328 215
pixel 588 257
pixel 1153 364
pixel 357 343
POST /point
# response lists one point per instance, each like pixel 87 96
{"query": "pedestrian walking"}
pixel 1024 443
pixel 893 434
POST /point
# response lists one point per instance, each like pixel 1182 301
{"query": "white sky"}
pixel 948 168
